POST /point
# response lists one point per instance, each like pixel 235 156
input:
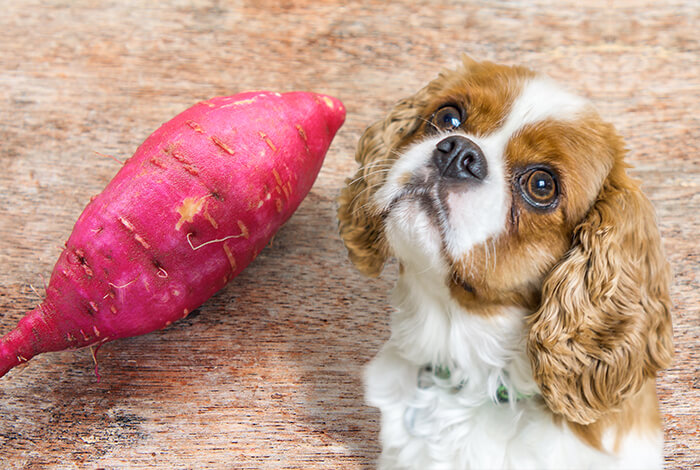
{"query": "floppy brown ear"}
pixel 361 227
pixel 604 324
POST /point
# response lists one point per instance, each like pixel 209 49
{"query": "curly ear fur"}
pixel 604 325
pixel 361 228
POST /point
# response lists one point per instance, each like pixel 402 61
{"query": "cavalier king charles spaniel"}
pixel 532 309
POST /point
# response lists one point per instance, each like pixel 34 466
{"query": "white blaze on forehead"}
pixel 541 99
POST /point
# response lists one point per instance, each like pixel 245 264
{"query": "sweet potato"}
pixel 195 204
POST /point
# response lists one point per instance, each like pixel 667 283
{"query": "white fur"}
pixel 455 423
pixel 542 99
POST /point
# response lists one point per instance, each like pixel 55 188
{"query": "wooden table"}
pixel 267 374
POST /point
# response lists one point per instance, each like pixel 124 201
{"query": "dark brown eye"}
pixel 539 188
pixel 447 118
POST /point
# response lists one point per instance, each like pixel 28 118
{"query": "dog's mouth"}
pixel 422 197
pixel 426 196
pixel 424 193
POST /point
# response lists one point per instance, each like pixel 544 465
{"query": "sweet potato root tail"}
pixel 28 339
pixel 15 346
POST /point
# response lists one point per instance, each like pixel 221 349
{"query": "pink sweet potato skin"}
pixel 195 204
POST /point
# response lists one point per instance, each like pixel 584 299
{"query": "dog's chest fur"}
pixel 434 419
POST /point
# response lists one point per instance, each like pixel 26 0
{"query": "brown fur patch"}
pixel 639 414
pixel 604 326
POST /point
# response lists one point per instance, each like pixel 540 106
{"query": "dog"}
pixel 532 308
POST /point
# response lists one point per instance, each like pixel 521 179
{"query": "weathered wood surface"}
pixel 268 374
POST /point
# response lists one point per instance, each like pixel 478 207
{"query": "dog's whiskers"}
pixel 379 163
pixel 380 170
pixel 364 190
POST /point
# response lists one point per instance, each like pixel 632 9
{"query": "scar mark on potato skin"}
pixel 231 258
pixel 267 140
pixel 143 242
pixel 277 176
pixel 195 126
pixel 155 161
pixel 211 220
pixel 78 256
pixel 189 209
pixel 244 230
pixel 130 227
pixel 127 224
pixel 302 133
pixel 239 103
pixel 222 145
pixel 177 154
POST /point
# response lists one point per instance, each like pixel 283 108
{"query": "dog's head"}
pixel 514 192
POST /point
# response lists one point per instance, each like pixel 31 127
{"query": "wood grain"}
pixel 268 374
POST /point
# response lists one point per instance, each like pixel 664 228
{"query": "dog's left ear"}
pixel 361 228
pixel 604 326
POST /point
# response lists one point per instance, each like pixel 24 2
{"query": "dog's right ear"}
pixel 604 326
pixel 361 226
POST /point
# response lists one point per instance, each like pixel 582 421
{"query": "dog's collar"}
pixel 443 374
pixel 439 376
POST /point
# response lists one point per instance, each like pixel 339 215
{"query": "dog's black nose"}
pixel 459 158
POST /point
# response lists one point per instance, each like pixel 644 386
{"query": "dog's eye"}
pixel 447 118
pixel 539 188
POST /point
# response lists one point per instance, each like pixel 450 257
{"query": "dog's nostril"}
pixel 458 157
pixel 446 145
